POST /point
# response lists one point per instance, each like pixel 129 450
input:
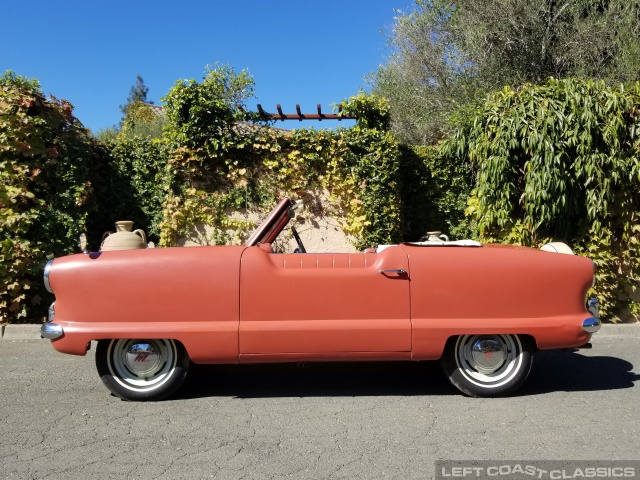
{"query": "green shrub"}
pixel 142 121
pixel 560 161
pixel 129 184
pixel 46 157
pixel 434 192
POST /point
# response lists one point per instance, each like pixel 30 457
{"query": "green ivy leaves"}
pixel 45 160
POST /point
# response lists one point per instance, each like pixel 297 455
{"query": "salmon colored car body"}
pixel 483 310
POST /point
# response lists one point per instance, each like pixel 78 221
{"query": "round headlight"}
pixel 47 271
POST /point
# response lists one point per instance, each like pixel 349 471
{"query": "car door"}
pixel 324 303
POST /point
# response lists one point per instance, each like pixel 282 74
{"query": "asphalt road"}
pixel 321 421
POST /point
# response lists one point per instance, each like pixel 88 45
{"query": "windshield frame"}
pixel 271 226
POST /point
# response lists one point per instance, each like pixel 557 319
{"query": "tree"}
pixel 426 76
pixel 137 93
pixel 107 134
pixel 447 53
pixel 143 121
pixel 511 42
pixel 202 115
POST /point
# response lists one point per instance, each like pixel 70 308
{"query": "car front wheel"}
pixel 142 369
pixel 487 365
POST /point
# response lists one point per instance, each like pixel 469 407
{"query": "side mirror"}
pixel 295 207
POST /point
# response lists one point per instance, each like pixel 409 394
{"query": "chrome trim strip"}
pixel 591 325
pixel 51 331
pixel 47 271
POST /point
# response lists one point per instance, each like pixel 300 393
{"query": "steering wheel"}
pixel 300 248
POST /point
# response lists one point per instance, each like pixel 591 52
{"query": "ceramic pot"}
pixel 124 238
pixel 434 237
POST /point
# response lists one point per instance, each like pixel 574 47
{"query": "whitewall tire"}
pixel 142 369
pixel 488 365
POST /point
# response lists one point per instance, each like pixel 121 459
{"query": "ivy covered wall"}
pixel 222 157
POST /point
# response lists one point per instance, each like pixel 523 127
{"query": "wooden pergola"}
pixel 305 116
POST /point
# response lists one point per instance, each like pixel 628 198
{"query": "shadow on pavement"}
pixel 570 371
pixel 552 371
pixel 316 380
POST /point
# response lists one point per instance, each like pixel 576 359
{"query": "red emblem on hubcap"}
pixel 141 357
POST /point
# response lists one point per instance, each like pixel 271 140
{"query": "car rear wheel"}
pixel 487 365
pixel 142 369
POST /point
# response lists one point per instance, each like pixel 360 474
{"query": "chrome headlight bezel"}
pixel 47 272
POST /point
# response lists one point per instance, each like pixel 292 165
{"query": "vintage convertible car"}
pixel 483 310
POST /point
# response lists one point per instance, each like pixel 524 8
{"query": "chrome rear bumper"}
pixel 51 331
pixel 591 325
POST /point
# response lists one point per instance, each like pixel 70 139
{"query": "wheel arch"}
pixel 524 337
pixel 137 337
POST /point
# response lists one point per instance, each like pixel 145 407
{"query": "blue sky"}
pixel 89 52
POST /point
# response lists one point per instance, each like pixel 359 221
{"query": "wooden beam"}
pixel 304 116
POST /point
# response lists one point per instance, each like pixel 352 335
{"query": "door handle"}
pixel 398 271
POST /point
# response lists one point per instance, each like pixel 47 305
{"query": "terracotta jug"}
pixel 124 238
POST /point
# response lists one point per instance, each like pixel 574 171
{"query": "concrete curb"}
pixel 21 332
pixel 32 332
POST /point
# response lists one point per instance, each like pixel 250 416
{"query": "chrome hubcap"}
pixel 489 361
pixel 488 354
pixel 143 358
pixel 142 365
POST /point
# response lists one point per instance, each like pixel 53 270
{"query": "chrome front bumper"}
pixel 51 331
